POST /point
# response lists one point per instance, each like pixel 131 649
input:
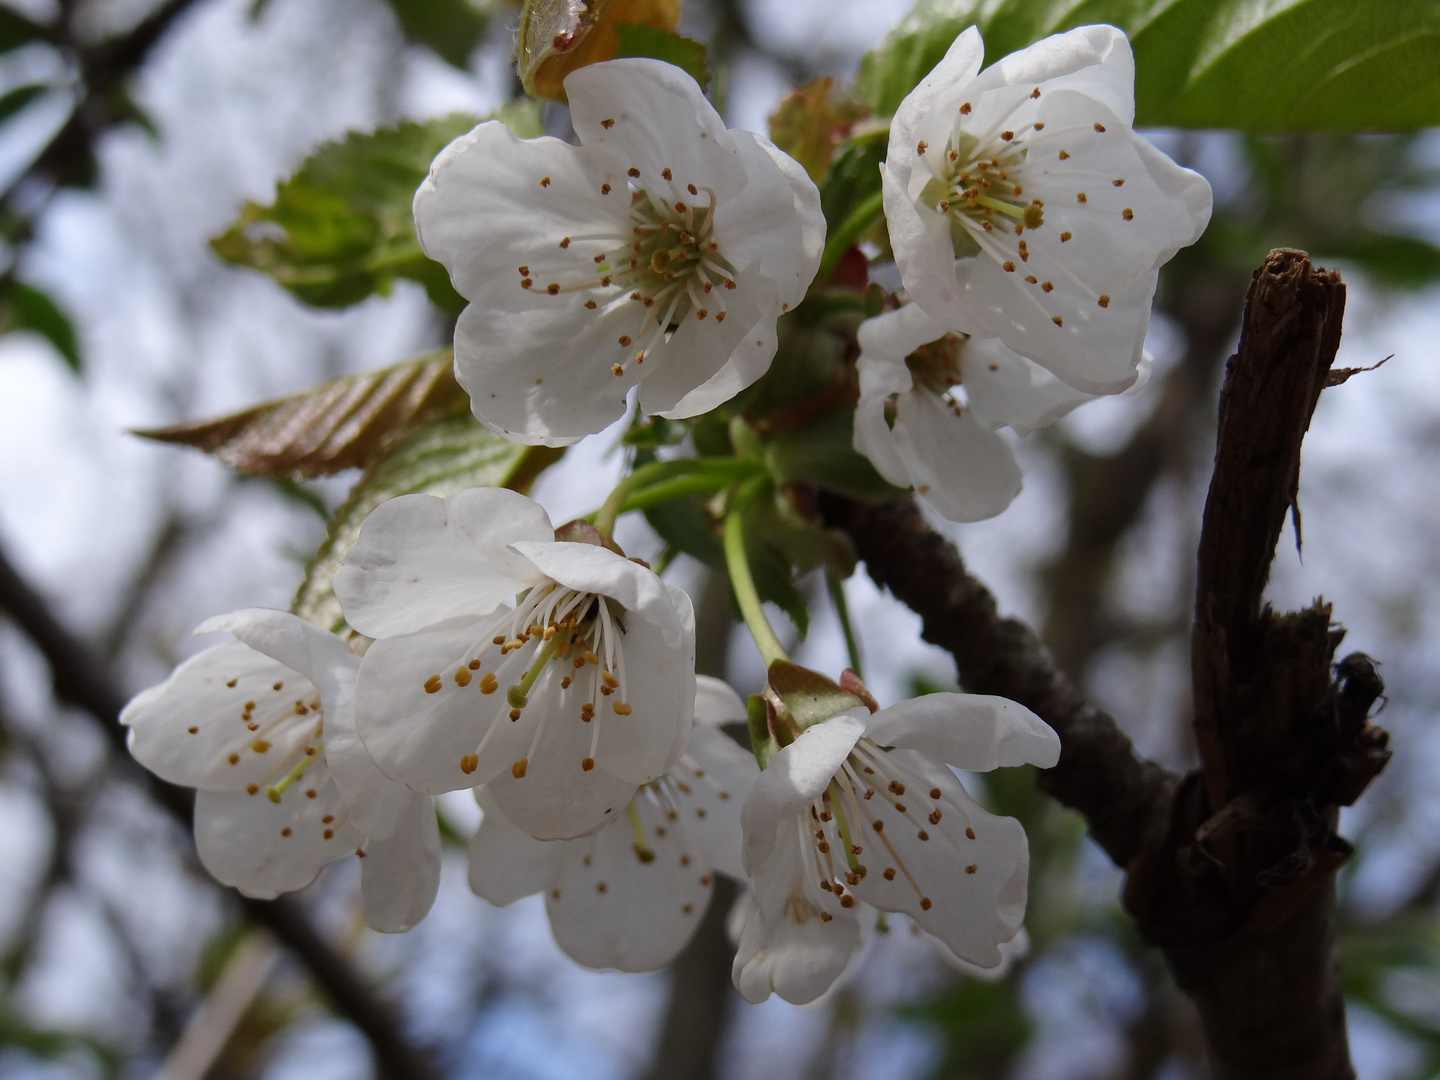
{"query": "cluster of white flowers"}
pixel 553 676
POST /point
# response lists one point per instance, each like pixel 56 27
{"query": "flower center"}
pixel 936 364
pixel 662 257
pixel 272 720
pixel 874 789
pixel 556 642
pixel 979 186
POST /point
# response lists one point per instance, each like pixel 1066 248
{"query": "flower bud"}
pixel 558 36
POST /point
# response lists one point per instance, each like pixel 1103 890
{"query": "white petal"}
pixel 716 703
pixel 290 640
pixel 544 376
pixel 793 779
pixel 507 863
pixel 1012 951
pixel 961 876
pixel 374 801
pixel 1004 389
pixel 924 253
pixel 377 804
pixel 591 568
pixel 1095 60
pixel 710 785
pixel 484 213
pixel 421 560
pixel 265 848
pixel 702 350
pixel 960 64
pixel 749 359
pixel 881 376
pixel 967 472
pixel 659 119
pixel 776 226
pixel 193 729
pixel 609 908
pixel 418 737
pixel 970 731
pixel 786 947
pixel 557 798
pixel 400 873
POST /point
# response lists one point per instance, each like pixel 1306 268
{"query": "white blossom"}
pixel 1022 206
pixel 632 895
pixel 861 810
pixel 264 727
pixel 931 400
pixel 658 252
pixel 562 701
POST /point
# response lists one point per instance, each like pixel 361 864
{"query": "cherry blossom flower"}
pixel 659 252
pixel 264 727
pixel 632 895
pixel 1022 206
pixel 930 401
pixel 859 809
pixel 562 704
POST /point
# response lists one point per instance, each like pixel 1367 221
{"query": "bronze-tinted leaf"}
pixel 346 422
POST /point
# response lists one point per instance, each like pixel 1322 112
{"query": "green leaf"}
pixel 16 30
pixel 451 28
pixel 13 101
pixel 1405 262
pixel 637 39
pixel 812 120
pixel 341 228
pixel 27 308
pixel 440 459
pixel 912 47
pixel 810 696
pixel 1274 66
pixel 824 453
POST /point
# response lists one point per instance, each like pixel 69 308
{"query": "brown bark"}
pixel 1230 871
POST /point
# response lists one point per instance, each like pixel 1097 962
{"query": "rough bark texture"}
pixel 1230 870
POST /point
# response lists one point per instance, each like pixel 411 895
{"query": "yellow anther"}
pixel 462 676
pixel 433 684
pixel 469 763
pixel 621 708
pixel 518 769
pixel 488 683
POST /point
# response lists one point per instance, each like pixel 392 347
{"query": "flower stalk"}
pixel 741 579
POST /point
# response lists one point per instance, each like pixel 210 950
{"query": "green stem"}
pixel 694 484
pixel 743 582
pixel 849 231
pixel 842 609
pixel 724 470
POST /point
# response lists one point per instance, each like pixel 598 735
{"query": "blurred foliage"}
pixel 638 39
pixel 24 307
pixel 1286 65
pixel 452 28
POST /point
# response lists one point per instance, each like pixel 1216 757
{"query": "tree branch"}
pixel 1230 871
pixel 79 680
pixel 1099 774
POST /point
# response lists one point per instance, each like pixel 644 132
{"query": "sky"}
pixel 171 333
